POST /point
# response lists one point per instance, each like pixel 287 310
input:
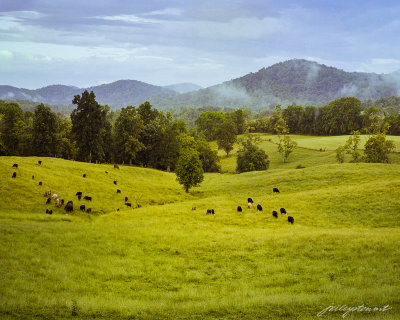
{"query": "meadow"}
pixel 169 262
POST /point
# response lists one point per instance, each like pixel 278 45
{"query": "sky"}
pixel 91 42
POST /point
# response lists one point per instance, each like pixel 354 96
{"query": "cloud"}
pixel 165 12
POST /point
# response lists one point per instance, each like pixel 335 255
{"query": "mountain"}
pixel 116 94
pixel 293 81
pixel 183 87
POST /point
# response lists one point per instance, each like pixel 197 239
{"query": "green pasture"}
pixel 171 262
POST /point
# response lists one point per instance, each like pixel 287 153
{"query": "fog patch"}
pixel 313 71
pixel 348 90
pixel 230 92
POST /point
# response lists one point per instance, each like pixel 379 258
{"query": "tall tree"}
pixel 13 128
pixel 45 127
pixel 226 136
pixel 89 127
pixel 209 122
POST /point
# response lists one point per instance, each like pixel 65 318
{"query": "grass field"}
pixel 169 262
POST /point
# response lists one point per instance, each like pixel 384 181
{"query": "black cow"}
pixel 69 206
pixel 87 198
pixel 259 207
pixel 39 162
pixel 89 210
pixel 62 201
pixel 49 211
pixel 106 172
pixel 14 175
pixel 84 175
pixel 15 165
pixel 116 166
pixel 249 200
pixel 212 211
pixel 82 207
pixel 78 193
pixel 275 214
pixel 283 211
pixel 290 219
pixel 40 183
pixel 118 191
pixel 239 209
pixel 128 204
pixel 115 182
pixel 275 190
pixel 33 177
pixel 209 211
pixel 48 200
pixel 79 197
pixel 126 199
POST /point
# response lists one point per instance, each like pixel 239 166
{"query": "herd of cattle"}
pixel 70 205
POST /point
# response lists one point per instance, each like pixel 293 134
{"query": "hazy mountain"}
pixel 183 87
pixel 293 81
pixel 117 94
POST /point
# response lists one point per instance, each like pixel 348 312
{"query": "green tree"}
pixel 14 130
pixel 189 170
pixel 340 152
pixel 377 149
pixel 286 145
pixel 89 126
pixel 251 157
pixel 127 129
pixel 238 117
pixel 307 120
pixel 292 116
pixel 209 122
pixel 226 136
pixel 208 157
pixel 352 146
pixel 45 127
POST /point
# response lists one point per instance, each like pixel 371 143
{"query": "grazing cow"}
pixel 49 211
pixel 128 204
pixel 249 205
pixel 239 209
pixel 48 200
pixel 275 190
pixel 47 193
pixel 39 162
pixel 62 201
pixel 69 206
pixel 116 166
pixel 290 219
pixel 15 165
pixel 82 207
pixel 78 193
pixel 118 191
pixel 126 199
pixel 79 198
pixel 84 175
pixel 118 209
pixel 14 175
pixel 161 203
pixel 89 210
pixel 250 200
pixel 106 172
pixel 259 207
pixel 58 203
pixel 212 211
pixel 208 211
pixel 115 182
pixel 40 183
pixel 275 214
pixel 193 208
pixel 87 198
pixel 283 211
pixel 33 177
pixel 54 196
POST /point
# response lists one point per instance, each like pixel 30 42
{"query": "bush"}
pixel 251 158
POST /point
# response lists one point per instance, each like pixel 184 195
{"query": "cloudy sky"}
pixel 90 42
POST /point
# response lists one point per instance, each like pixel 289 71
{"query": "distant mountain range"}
pixel 293 81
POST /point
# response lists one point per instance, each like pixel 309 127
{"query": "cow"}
pixel 47 193
pixel 33 177
pixel 40 183
pixel 49 211
pixel 239 209
pixel 249 205
pixel 54 196
pixel 39 162
pixel 78 193
pixel 58 203
pixel 290 219
pixel 249 200
pixel 161 203
pixel 48 200
pixel 84 175
pixel 82 207
pixel 283 211
pixel 209 211
pixel 89 210
pixel 115 182
pixel 128 204
pixel 87 198
pixel 15 165
pixel 69 206
pixel 193 208
pixel 118 191
pixel 116 166
pixel 259 207
pixel 275 214
pixel 126 199
pixel 275 190
pixel 106 172
pixel 212 211
pixel 79 198
pixel 62 201
pixel 14 175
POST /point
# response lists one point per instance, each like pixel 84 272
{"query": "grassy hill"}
pixel 169 262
